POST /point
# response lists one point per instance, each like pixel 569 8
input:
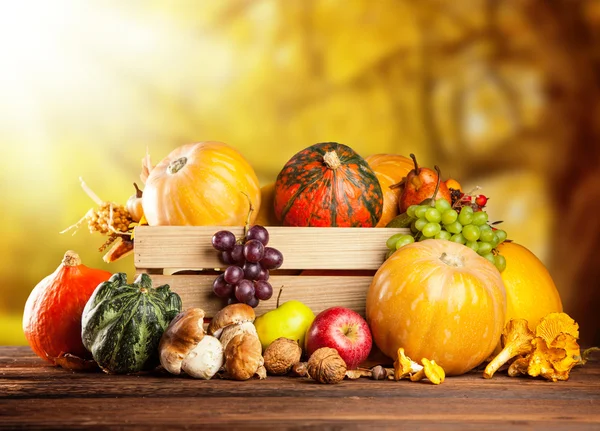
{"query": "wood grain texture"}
pixel 302 247
pixel 317 292
pixel 36 396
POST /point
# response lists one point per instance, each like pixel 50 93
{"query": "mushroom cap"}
pixel 404 366
pixel 204 360
pixel 243 356
pixel 231 331
pixel 181 336
pixel 554 324
pixel 230 315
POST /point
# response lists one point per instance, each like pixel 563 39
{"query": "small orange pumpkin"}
pixel 202 184
pixel 438 300
pixel 52 314
pixel 530 291
pixel 389 169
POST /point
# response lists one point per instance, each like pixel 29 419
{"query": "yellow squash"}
pixel 530 291
pixel 207 183
pixel 438 300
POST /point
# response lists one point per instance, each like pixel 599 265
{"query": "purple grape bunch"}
pixel 250 260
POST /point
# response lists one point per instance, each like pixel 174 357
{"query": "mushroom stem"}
pixel 516 339
pixel 502 358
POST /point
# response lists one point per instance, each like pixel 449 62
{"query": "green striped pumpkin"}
pixel 328 185
pixel 122 323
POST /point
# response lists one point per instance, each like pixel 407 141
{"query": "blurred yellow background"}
pixel 501 95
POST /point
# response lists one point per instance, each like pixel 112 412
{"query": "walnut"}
pixel 326 366
pixel 281 355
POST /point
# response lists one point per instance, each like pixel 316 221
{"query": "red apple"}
pixel 343 330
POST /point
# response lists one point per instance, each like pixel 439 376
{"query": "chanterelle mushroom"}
pixel 554 349
pixel 404 366
pixel 516 340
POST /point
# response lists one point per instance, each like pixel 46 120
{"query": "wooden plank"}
pixel 292 412
pixel 36 396
pixel 302 247
pixel 317 292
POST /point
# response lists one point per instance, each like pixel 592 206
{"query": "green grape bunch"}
pixel 459 223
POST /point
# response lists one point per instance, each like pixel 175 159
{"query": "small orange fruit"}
pixel 451 183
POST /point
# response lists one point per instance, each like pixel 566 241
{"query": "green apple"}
pixel 290 320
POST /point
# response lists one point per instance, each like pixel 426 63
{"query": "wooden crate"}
pixel 183 257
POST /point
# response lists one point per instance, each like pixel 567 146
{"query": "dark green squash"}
pixel 122 323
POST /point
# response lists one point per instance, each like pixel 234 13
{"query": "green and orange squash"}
pixel 328 185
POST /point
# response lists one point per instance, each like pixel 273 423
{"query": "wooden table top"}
pixel 34 395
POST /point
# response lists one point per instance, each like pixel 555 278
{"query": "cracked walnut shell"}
pixel 281 355
pixel 326 366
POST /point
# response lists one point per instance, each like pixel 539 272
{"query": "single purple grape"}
pixel 232 300
pixel 263 275
pixel 223 240
pixel 251 270
pixel 254 250
pixel 237 254
pixel 226 258
pixel 244 291
pixel 252 302
pixel 272 258
pixel 263 290
pixel 221 288
pixel 259 233
pixel 233 274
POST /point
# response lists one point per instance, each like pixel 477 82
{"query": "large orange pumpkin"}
pixel 438 300
pixel 206 183
pixel 389 169
pixel 530 291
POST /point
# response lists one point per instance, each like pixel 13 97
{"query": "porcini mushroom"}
pixel 185 347
pixel 232 320
pixel 243 357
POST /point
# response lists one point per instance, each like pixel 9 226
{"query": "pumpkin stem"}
pixel 176 165
pixel 71 259
pixel 414 158
pixel 332 160
pixel 138 192
pixel 452 260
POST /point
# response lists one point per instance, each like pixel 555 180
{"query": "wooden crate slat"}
pixel 302 247
pixel 317 292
